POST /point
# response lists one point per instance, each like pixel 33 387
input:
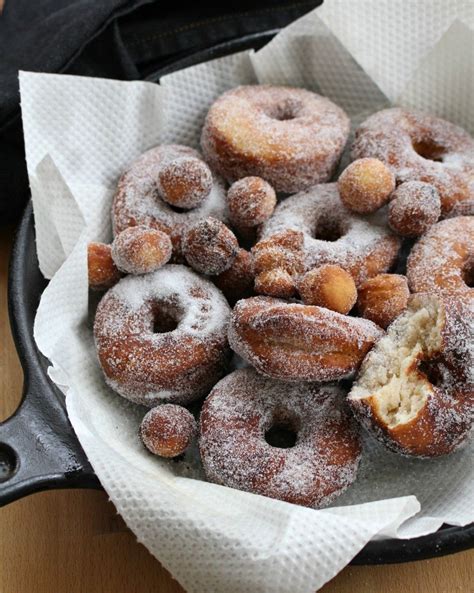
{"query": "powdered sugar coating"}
pixel 295 342
pixel 168 430
pixel 141 250
pixel 184 182
pixel 400 138
pixel 364 246
pixel 210 247
pixel 244 405
pixel 443 259
pixel 181 363
pixel 276 282
pixel 415 206
pixel 251 201
pixel 290 137
pixel 137 200
pixel 365 185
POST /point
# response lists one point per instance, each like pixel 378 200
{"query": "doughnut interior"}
pixel 398 392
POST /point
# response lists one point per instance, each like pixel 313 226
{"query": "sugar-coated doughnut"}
pixel 291 137
pixel 415 389
pixel 161 337
pixel 419 147
pixel 331 234
pixel 365 185
pixel 383 298
pixel 443 259
pixel 329 286
pixel 414 207
pixel 137 200
pixel 295 342
pixel 210 247
pixel 242 420
pixel 101 269
pixel 251 201
pixel 141 250
pixel 168 430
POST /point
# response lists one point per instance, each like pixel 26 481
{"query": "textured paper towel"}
pixel 80 133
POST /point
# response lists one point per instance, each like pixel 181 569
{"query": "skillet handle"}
pixel 39 450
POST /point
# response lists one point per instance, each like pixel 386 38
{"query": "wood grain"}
pixel 74 541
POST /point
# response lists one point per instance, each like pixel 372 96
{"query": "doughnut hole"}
pixel 282 431
pixel 329 286
pixel 276 283
pixel 383 298
pixel 329 230
pixel 283 250
pixel 168 430
pixel 237 281
pixel 101 269
pixel 251 201
pixel 184 182
pixel 365 185
pixel 210 247
pixel 428 149
pixel 141 250
pixel 165 319
pixel 415 206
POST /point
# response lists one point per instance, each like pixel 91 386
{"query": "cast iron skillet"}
pixel 38 448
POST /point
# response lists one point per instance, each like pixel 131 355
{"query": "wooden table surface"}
pixel 70 541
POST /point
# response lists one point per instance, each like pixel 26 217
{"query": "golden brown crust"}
pixel 102 271
pixel 296 342
pixel 383 298
pixel 276 283
pixel 251 201
pixel 365 185
pixel 141 250
pixel 168 430
pixel 329 286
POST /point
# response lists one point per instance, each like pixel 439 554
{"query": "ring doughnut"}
pixel 415 389
pixel 290 137
pixel 245 408
pixel 419 147
pixel 161 337
pixel 137 200
pixel 332 234
pixel 294 342
pixel 443 259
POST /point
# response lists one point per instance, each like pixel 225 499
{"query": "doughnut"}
pixel 290 137
pixel 161 337
pixel 251 201
pixel 280 251
pixel 295 443
pixel 168 430
pixel 328 233
pixel 237 281
pixel 415 389
pixel 210 247
pixel 443 259
pixel 329 286
pixel 137 200
pixel 101 269
pixel 383 298
pixel 295 342
pixel 141 250
pixel 365 185
pixel 276 282
pixel 184 182
pixel 415 207
pixel 419 147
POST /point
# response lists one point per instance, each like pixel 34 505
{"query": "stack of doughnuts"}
pixel 252 255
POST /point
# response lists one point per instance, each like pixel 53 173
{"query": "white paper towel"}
pixel 80 133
